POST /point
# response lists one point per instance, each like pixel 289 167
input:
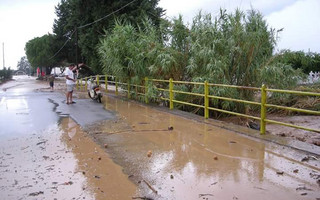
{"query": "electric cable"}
pixel 106 15
pixel 63 45
pixel 91 24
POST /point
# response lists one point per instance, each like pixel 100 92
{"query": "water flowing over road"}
pixel 126 150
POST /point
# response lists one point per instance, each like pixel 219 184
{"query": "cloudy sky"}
pixel 23 20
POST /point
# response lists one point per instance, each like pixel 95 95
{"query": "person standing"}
pixel 51 81
pixel 70 81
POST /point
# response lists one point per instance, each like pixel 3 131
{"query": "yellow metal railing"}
pixel 142 90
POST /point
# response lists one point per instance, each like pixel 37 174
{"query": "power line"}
pixel 106 15
pixel 91 24
pixel 63 45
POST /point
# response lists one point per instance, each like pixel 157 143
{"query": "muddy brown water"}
pixel 60 163
pixel 151 154
pixel 200 160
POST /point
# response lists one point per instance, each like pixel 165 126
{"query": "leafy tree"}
pixel 83 14
pixel 24 65
pixel 299 60
pixel 5 74
pixel 39 52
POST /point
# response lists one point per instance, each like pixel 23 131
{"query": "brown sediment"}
pixel 202 158
pixel 52 163
pixel 104 179
pixel 38 166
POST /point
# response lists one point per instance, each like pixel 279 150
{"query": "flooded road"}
pixel 20 108
pixel 44 154
pixel 184 159
pixel 127 150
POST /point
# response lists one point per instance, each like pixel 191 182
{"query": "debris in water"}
pixel 68 183
pixel 214 183
pixel 45 157
pixel 307 158
pixel 303 188
pixel 143 198
pixel 280 173
pixel 36 193
pixel 202 195
pixel 41 142
pixel 143 123
pixel 253 125
pixel 149 154
pixel 155 191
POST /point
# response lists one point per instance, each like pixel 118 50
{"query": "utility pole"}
pixel 76 46
pixel 3 54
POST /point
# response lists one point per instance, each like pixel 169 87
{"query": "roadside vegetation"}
pixel 231 48
pixel 234 48
pixel 5 74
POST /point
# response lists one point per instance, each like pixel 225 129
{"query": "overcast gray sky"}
pixel 23 20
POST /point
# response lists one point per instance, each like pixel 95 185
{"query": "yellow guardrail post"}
pixel 81 84
pixel 206 100
pixel 106 82
pixel 136 90
pixel 86 83
pixel 77 84
pixel 116 80
pixel 97 79
pixel 263 110
pixel 146 89
pixel 171 93
pixel 128 84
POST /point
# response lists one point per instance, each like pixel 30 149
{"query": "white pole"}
pixel 3 54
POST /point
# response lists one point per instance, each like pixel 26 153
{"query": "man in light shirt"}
pixel 70 81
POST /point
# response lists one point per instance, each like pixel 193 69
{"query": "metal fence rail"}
pixel 142 90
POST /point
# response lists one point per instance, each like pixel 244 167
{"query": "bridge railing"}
pixel 142 90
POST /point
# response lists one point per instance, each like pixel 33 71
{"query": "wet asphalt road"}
pixel 44 154
pixel 25 110
pixel 193 160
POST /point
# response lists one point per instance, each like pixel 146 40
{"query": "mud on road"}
pixel 172 157
pixel 146 153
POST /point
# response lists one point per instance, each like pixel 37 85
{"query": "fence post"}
pixel 206 100
pixel 106 82
pixel 263 110
pixel 128 84
pixel 97 79
pixel 77 84
pixel 81 84
pixel 136 90
pixel 86 83
pixel 116 79
pixel 171 93
pixel 146 90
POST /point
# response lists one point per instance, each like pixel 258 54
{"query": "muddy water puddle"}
pixel 171 157
pixel 60 162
